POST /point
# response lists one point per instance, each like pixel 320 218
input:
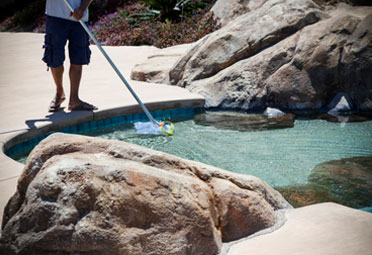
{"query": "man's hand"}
pixel 78 14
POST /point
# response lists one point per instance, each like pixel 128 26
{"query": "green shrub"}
pixel 166 7
pixel 137 24
pixel 175 9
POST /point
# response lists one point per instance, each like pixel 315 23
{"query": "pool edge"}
pixel 10 169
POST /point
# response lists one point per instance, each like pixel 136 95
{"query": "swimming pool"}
pixel 282 153
pixel 280 157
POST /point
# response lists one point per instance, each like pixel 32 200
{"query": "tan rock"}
pixel 241 86
pixel 357 65
pixel 80 194
pixel 241 211
pixel 244 37
pixel 287 54
pixel 302 72
pixel 309 81
pixel 227 10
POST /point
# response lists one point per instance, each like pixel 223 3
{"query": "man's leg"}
pixel 54 56
pixel 75 78
pixel 79 55
pixel 75 102
pixel 57 73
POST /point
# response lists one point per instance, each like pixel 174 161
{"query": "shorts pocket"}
pixel 48 51
pixel 89 52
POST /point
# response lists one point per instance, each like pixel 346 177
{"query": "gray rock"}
pixel 356 65
pixel 313 75
pixel 89 195
pixel 244 37
pixel 227 10
pixel 241 86
pixel 275 56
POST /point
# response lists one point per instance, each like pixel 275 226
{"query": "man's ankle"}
pixel 60 94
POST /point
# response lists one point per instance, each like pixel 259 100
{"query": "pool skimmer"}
pixel 166 127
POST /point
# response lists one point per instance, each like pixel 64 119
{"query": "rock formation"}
pixel 89 195
pixel 226 11
pixel 294 55
pixel 243 38
pixel 246 122
pixel 157 66
pixel 346 181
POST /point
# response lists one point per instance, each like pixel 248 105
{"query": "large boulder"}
pixel 94 196
pixel 313 76
pixel 286 54
pixel 242 85
pixel 227 10
pixel 243 38
pixel 301 72
pixel 356 65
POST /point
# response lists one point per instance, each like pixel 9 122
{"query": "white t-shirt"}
pixel 59 9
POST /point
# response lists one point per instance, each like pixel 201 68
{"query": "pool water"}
pixel 280 157
pixel 308 160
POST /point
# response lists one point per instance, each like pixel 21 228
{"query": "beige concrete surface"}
pixel 322 229
pixel 26 89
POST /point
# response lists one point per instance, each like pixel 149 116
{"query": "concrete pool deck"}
pixel 26 90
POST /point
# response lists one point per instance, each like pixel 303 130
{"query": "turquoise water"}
pixel 280 157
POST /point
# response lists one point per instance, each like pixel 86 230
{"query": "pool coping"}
pixel 17 137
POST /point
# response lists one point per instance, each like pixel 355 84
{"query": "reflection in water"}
pixel 244 122
pixel 281 157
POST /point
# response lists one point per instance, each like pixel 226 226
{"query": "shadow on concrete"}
pixel 67 118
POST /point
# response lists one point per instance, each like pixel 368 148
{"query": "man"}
pixel 62 25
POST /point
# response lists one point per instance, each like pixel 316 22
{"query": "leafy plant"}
pixel 137 18
pixel 174 9
pixel 166 7
pixel 136 23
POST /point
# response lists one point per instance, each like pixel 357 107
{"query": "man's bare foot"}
pixel 82 106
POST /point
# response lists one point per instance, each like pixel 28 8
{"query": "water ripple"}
pixel 279 157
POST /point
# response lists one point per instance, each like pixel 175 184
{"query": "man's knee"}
pixel 78 46
pixel 74 67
